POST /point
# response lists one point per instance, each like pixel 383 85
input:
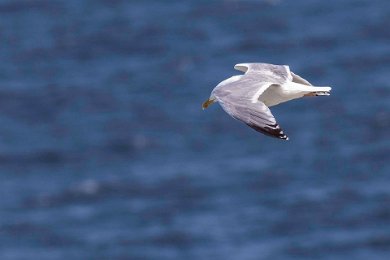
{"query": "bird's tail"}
pixel 319 91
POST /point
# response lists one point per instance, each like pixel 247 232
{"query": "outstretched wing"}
pixel 256 115
pixel 277 74
pixel 281 73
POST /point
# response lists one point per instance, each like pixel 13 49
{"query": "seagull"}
pixel 248 97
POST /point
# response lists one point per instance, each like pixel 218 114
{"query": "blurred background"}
pixel 105 152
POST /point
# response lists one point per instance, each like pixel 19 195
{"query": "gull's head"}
pixel 208 102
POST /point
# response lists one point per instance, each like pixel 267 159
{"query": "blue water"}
pixel 105 152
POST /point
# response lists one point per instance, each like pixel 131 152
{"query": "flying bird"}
pixel 248 97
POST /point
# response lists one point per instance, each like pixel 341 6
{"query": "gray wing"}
pixel 256 115
pixel 278 74
pixel 237 97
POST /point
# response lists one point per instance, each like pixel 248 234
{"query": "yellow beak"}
pixel 207 103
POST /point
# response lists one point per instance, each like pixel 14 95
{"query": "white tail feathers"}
pixel 323 89
pixel 319 91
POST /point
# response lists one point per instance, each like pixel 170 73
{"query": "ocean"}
pixel 105 152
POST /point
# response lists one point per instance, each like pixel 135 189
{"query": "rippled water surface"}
pixel 106 154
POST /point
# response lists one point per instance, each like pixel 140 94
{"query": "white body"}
pixel 277 94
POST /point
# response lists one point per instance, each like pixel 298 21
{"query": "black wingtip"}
pixel 271 130
pixel 282 135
